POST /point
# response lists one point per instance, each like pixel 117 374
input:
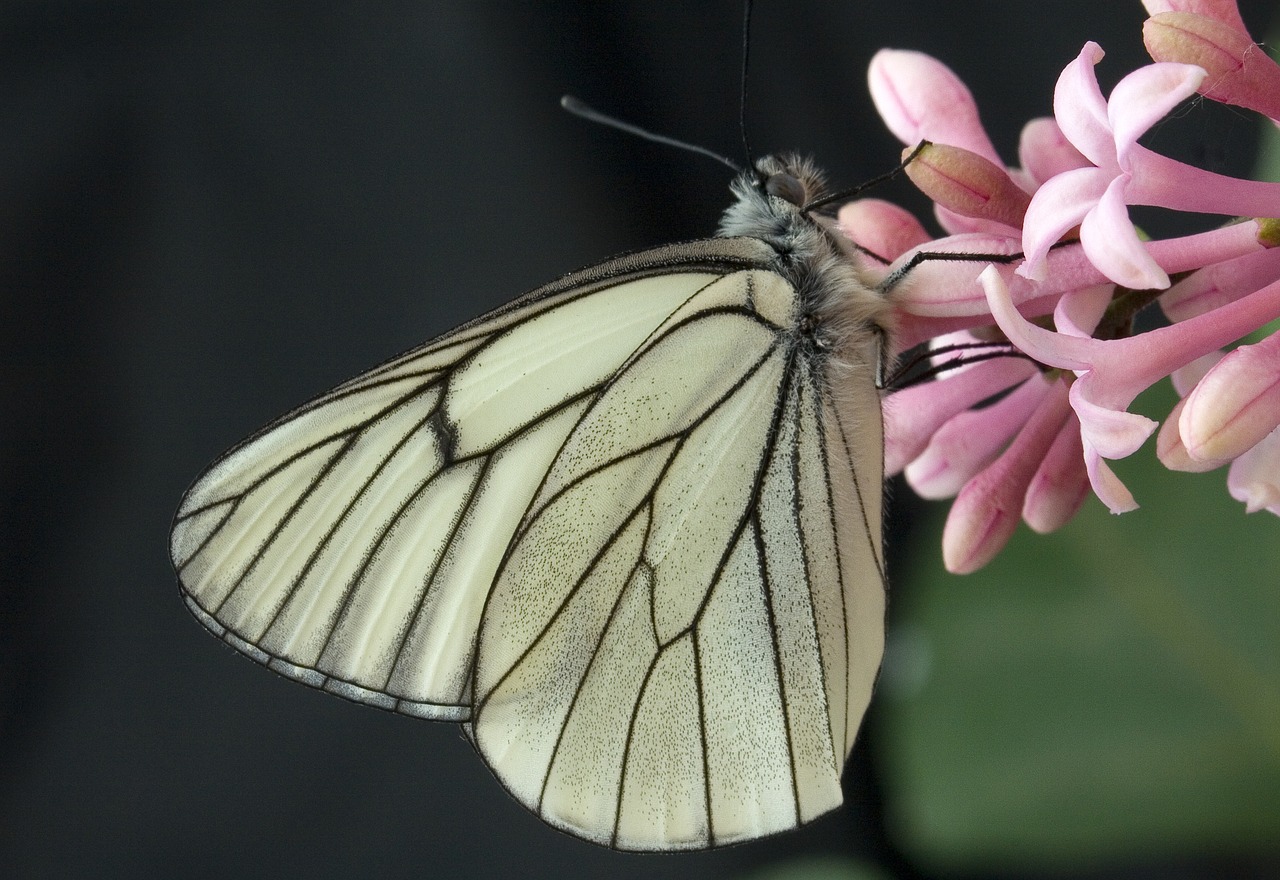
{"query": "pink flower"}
pixel 969 441
pixel 914 415
pixel 1046 257
pixel 1045 151
pixel 1061 484
pixel 880 228
pixel 1219 283
pixel 967 185
pixel 921 99
pixel 1123 173
pixel 1169 448
pixel 1225 11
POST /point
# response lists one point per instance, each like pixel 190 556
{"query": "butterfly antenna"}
pixel 578 108
pixel 742 101
pixel 848 194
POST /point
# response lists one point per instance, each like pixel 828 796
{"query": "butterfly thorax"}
pixel 841 310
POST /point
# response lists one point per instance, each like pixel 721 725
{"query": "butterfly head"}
pixel 793 179
pixel 771 197
pixel 843 311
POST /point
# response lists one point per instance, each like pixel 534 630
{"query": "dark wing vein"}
pixel 412 620
pixel 702 735
pixel 805 546
pixel 626 749
pixel 819 412
pixel 767 598
pixel 753 503
pixel 613 380
pixel 862 503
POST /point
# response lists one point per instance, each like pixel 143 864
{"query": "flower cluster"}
pixel 1065 274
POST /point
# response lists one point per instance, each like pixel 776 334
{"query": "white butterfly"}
pixel 626 530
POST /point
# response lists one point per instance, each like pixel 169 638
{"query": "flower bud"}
pixel 968 184
pixel 1235 405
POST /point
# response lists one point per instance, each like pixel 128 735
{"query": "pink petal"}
pixel 1111 432
pixel 986 512
pixel 1106 485
pixel 971 440
pixel 881 227
pixel 1239 72
pixel 1192 252
pixel 955 223
pixel 912 330
pixel 947 288
pixel 1112 243
pixel 1061 482
pixel 1049 348
pixel 940 296
pixel 1124 367
pixel 911 416
pixel 1225 11
pixel 1172 453
pixel 1254 477
pixel 1158 180
pixel 1220 283
pixel 969 184
pixel 1146 96
pixel 1186 378
pixel 1081 110
pixel 1044 151
pixel 1115 371
pixel 1236 404
pixel 1079 311
pixel 920 98
pixel 1058 206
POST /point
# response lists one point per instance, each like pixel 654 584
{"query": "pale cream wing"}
pixel 853 468
pixel 683 638
pixel 352 544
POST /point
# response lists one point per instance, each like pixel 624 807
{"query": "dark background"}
pixel 211 212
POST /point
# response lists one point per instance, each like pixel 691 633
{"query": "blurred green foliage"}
pixel 821 868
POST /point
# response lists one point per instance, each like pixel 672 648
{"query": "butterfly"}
pixel 625 530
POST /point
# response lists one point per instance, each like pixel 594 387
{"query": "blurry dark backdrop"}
pixel 209 213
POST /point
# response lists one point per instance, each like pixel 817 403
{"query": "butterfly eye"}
pixel 785 187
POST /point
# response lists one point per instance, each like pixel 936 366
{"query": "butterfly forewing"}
pixel 353 541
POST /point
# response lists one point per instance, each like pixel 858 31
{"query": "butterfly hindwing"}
pixel 677 675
